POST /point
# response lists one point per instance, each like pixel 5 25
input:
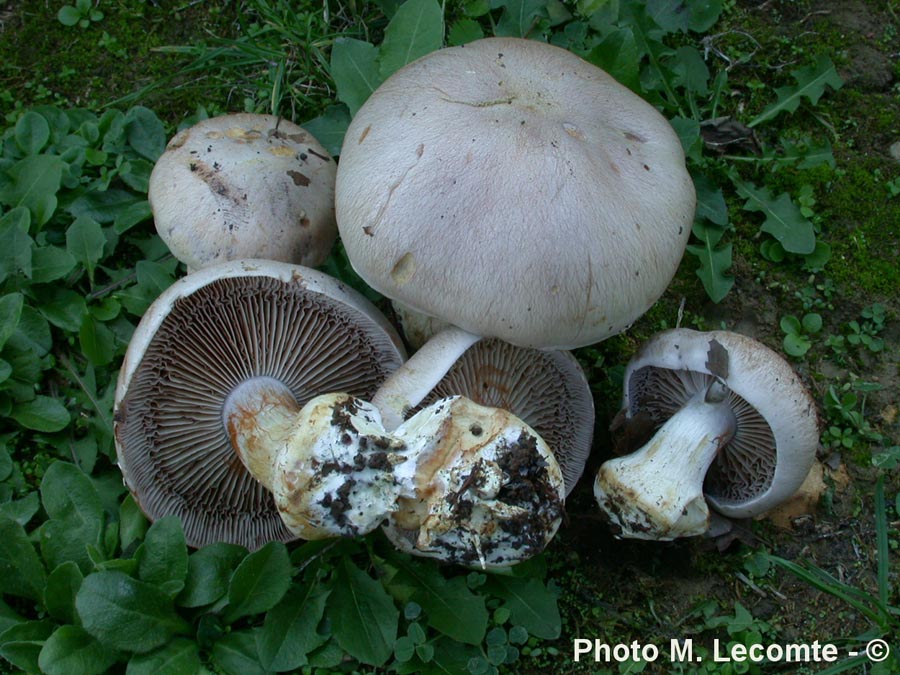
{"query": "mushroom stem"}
pixel 405 388
pixel 657 492
pixel 259 415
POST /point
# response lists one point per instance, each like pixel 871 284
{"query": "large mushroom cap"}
pixel 516 191
pixel 244 186
pixel 205 336
pixel 777 432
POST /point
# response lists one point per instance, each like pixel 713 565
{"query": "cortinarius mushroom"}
pixel 214 378
pixel 244 186
pixel 733 426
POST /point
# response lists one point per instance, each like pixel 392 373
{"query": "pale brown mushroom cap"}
pixel 777 434
pixel 244 186
pixel 204 336
pixel 515 190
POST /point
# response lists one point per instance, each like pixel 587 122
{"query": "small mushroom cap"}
pixel 546 389
pixel 515 190
pixel 202 338
pixel 244 186
pixel 486 490
pixel 777 432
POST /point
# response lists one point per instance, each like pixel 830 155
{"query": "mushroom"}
pixel 733 426
pixel 214 379
pixel 513 190
pixel 244 186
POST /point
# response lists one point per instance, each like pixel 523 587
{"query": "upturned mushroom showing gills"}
pixel 214 379
pixel 732 426
pixel 516 191
pixel 244 186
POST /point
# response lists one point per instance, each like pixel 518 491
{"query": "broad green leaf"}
pixel 10 312
pixel 448 656
pixel 289 632
pixel 691 71
pixel 153 276
pixel 127 614
pixel 76 516
pixel 715 261
pixel 21 510
pixel 145 132
pixel 259 582
pixel 21 644
pixel 133 523
pixel 464 31
pixel 811 85
pixel 329 128
pixel 670 15
pixel 85 242
pixel 531 605
pixel 783 218
pixel 97 341
pixel 519 17
pixel 42 413
pixel 710 201
pixel 59 594
pixel 796 345
pixel 35 182
pixel 450 606
pixel 71 651
pixel 15 243
pixel 63 308
pixel 6 465
pixel 8 618
pixel 105 207
pixel 136 174
pixel 618 55
pixel 688 131
pixel 49 263
pixel 21 571
pixel 209 571
pixel 415 30
pixel 354 67
pixel 164 556
pixel 32 333
pixel 68 15
pixel 704 14
pixel 32 133
pixel 236 654
pixel 177 657
pixel 363 616
pixel 131 215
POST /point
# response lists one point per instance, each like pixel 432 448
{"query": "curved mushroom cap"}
pixel 777 432
pixel 545 389
pixel 203 337
pixel 516 191
pixel 244 186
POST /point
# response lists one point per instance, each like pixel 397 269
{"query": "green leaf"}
pixel 209 571
pixel 97 341
pixel 131 215
pixel 796 345
pixel 531 605
pixel 6 465
pixel 670 15
pixel 153 276
pixel 178 657
pixel 164 557
pixel 21 571
pixel 32 333
pixel 691 71
pixel 710 201
pixel 132 522
pixel 330 127
pixel 63 308
pixel 15 243
pixel 289 632
pixel 236 654
pixel 354 67
pixel 21 644
pixel 49 263
pixel 76 516
pixel 71 651
pixel 127 614
pixel 32 133
pixel 145 132
pixel 714 263
pixel 21 510
pixel 11 310
pixel 59 595
pixel 259 582
pixel 704 14
pixel 464 31
pixel 68 15
pixel 42 413
pixel 363 616
pixel 811 85
pixel 416 29
pixel 812 322
pixel 619 56
pixel 85 242
pixel 35 182
pixel 450 606
pixel 104 207
pixel 783 218
pixel 519 17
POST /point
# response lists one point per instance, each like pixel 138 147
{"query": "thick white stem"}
pixel 657 492
pixel 405 388
pixel 259 416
